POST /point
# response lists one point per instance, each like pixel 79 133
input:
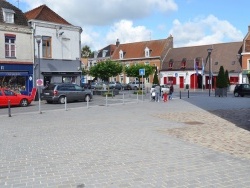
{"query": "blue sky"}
pixel 190 22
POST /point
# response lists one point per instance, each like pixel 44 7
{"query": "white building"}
pixel 60 46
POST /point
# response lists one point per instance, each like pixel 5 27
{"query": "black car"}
pixel 57 92
pixel 241 90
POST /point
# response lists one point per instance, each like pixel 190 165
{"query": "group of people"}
pixel 165 96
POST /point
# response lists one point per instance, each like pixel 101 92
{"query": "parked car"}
pixel 15 99
pixel 57 92
pixel 136 85
pixel 241 90
pixel 126 87
pixel 115 85
pixel 98 85
pixel 164 88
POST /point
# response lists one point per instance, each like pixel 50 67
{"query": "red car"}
pixel 15 98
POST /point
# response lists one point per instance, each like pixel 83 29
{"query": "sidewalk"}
pixel 180 143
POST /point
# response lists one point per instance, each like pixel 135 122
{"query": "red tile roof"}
pixel 223 54
pixel 44 13
pixel 137 49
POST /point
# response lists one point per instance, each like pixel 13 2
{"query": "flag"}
pixel 195 67
pixel 203 67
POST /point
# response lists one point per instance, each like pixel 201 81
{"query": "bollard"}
pixel 137 97
pixel 106 99
pixel 65 103
pixel 9 110
pixel 123 99
pixel 87 103
pixel 180 94
pixel 188 93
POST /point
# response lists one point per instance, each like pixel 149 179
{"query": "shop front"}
pixel 17 77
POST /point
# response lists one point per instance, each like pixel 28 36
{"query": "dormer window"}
pixel 104 52
pixel 147 52
pixel 171 62
pixel 8 15
pixel 121 54
pixel 183 63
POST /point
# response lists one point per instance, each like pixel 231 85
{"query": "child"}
pixel 165 97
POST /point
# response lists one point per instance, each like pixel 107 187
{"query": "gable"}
pixel 44 13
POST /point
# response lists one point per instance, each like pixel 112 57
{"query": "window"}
pixel 121 54
pixel 171 62
pixel 46 47
pixel 146 52
pixel 146 63
pixel 183 63
pixel 8 15
pixel 10 46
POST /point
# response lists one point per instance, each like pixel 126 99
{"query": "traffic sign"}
pixel 39 82
pixel 141 72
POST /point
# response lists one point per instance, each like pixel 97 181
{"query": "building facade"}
pixel 57 47
pixel 16 55
pixel 193 67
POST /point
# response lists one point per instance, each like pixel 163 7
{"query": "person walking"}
pixel 157 93
pixel 171 90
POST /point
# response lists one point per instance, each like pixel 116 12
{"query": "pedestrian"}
pixel 171 90
pixel 157 93
pixel 165 96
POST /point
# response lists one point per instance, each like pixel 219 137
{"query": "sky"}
pixel 190 22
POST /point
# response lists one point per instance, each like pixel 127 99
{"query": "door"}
pixel 181 82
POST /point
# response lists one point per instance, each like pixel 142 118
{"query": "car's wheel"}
pixel 87 98
pixel 62 100
pixel 236 94
pixel 24 103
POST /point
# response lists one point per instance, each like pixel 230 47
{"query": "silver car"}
pixel 58 92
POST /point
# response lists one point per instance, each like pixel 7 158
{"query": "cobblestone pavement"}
pixel 189 142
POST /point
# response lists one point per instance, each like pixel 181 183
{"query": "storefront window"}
pixel 69 79
pixel 16 83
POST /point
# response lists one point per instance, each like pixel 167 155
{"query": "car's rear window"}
pixel 50 87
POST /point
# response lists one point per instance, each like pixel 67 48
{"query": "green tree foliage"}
pixel 86 52
pixel 227 77
pixel 221 79
pixel 155 80
pixel 106 69
pixel 133 70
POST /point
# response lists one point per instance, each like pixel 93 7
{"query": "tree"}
pixel 86 52
pixel 133 70
pixel 227 78
pixel 221 79
pixel 155 80
pixel 106 69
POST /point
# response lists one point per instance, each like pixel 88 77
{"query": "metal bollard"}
pixel 180 94
pixel 106 100
pixel 137 98
pixel 123 99
pixel 188 93
pixel 9 110
pixel 65 103
pixel 87 103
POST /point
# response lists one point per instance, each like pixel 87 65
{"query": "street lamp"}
pixel 238 57
pixel 38 40
pixel 209 50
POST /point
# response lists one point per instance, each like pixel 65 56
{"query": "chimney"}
pixel 117 42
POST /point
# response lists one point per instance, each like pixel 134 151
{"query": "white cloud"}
pixel 202 31
pixel 126 32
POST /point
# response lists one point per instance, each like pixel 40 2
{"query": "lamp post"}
pixel 238 57
pixel 209 50
pixel 38 40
